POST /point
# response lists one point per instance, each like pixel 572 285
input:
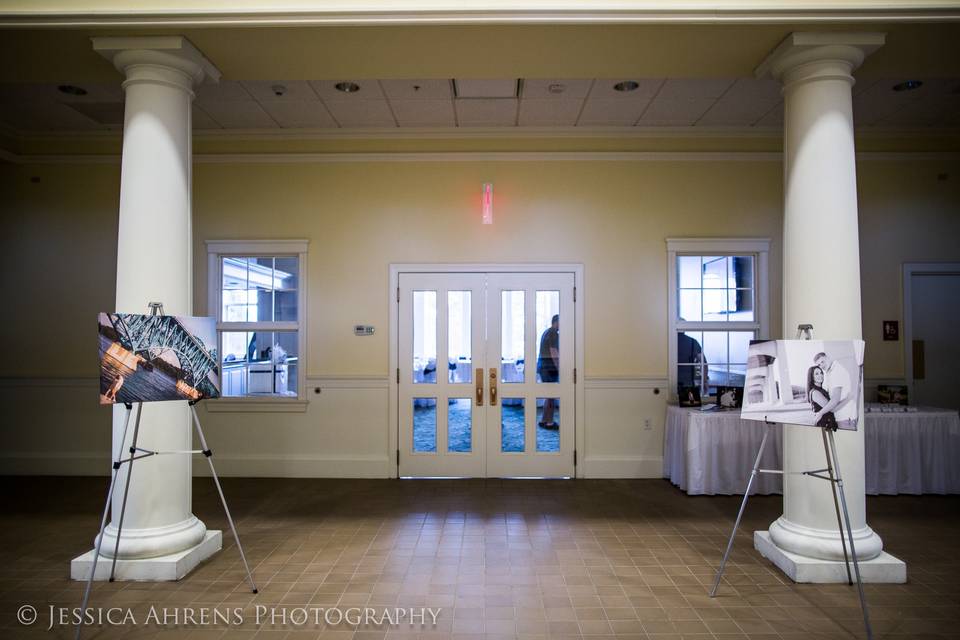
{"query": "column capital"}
pixel 153 58
pixel 804 55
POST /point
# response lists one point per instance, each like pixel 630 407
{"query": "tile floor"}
pixel 501 558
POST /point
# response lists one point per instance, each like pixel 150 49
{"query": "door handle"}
pixel 493 387
pixel 919 364
pixel 479 381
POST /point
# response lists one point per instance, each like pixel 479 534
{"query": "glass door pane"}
pixel 424 337
pixel 440 334
pixel 531 337
pixel 511 336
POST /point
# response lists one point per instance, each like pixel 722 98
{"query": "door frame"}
pixel 911 269
pixel 393 446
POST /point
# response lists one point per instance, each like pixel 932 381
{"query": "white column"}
pixel 161 538
pixel 821 286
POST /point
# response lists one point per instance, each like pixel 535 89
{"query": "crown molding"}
pixel 440 156
pixel 473 13
pixel 483 156
pixel 469 133
pixel 474 133
pixel 423 133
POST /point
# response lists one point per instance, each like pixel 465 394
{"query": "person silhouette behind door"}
pixel 548 368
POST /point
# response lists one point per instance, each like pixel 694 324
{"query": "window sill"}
pixel 256 405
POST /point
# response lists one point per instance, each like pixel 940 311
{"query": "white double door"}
pixel 486 374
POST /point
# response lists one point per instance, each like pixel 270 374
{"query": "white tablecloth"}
pixel 713 452
pixel 913 452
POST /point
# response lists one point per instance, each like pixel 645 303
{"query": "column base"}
pixel 158 569
pixel 883 569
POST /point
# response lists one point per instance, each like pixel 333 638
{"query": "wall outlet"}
pixel 363 330
pixel 646 425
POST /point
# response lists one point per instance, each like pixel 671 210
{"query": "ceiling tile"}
pixel 223 91
pixel 417 89
pixel 241 114
pixel 603 89
pixel 544 113
pixel 755 89
pixel 202 120
pixel 295 90
pixel 693 88
pixel 485 88
pixel 729 111
pixel 361 113
pixel 859 86
pixel 539 88
pixel 109 114
pixel 424 113
pixel 878 103
pixel 611 113
pixel 480 112
pixel 672 112
pixel 327 90
pixel 930 110
pixel 293 114
pixel 772 119
pixel 45 116
pixel 941 86
pixel 16 92
pixel 951 117
pixel 881 97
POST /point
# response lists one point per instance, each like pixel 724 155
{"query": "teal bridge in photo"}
pixel 149 336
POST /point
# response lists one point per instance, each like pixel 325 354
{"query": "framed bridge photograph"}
pixel 152 358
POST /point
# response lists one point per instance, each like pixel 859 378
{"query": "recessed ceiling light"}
pixel 908 85
pixel 557 88
pixel 72 90
pixel 347 87
pixel 627 85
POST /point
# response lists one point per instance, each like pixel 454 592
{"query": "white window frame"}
pixel 218 249
pixel 759 248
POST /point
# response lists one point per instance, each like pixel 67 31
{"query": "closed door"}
pixel 935 349
pixel 486 375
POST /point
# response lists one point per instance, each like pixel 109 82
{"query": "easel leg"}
pixel 836 505
pixel 743 506
pixel 126 491
pixel 103 522
pixel 216 480
pixel 853 549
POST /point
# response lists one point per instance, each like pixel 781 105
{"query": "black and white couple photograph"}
pixel 805 382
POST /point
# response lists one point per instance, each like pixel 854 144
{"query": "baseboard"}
pixel 602 466
pixel 86 463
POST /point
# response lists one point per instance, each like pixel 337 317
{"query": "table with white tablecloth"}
pixel 712 452
pixel 912 452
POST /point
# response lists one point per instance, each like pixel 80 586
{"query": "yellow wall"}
pixel 60 233
pixel 909 212
pixel 58 264
pixel 612 217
